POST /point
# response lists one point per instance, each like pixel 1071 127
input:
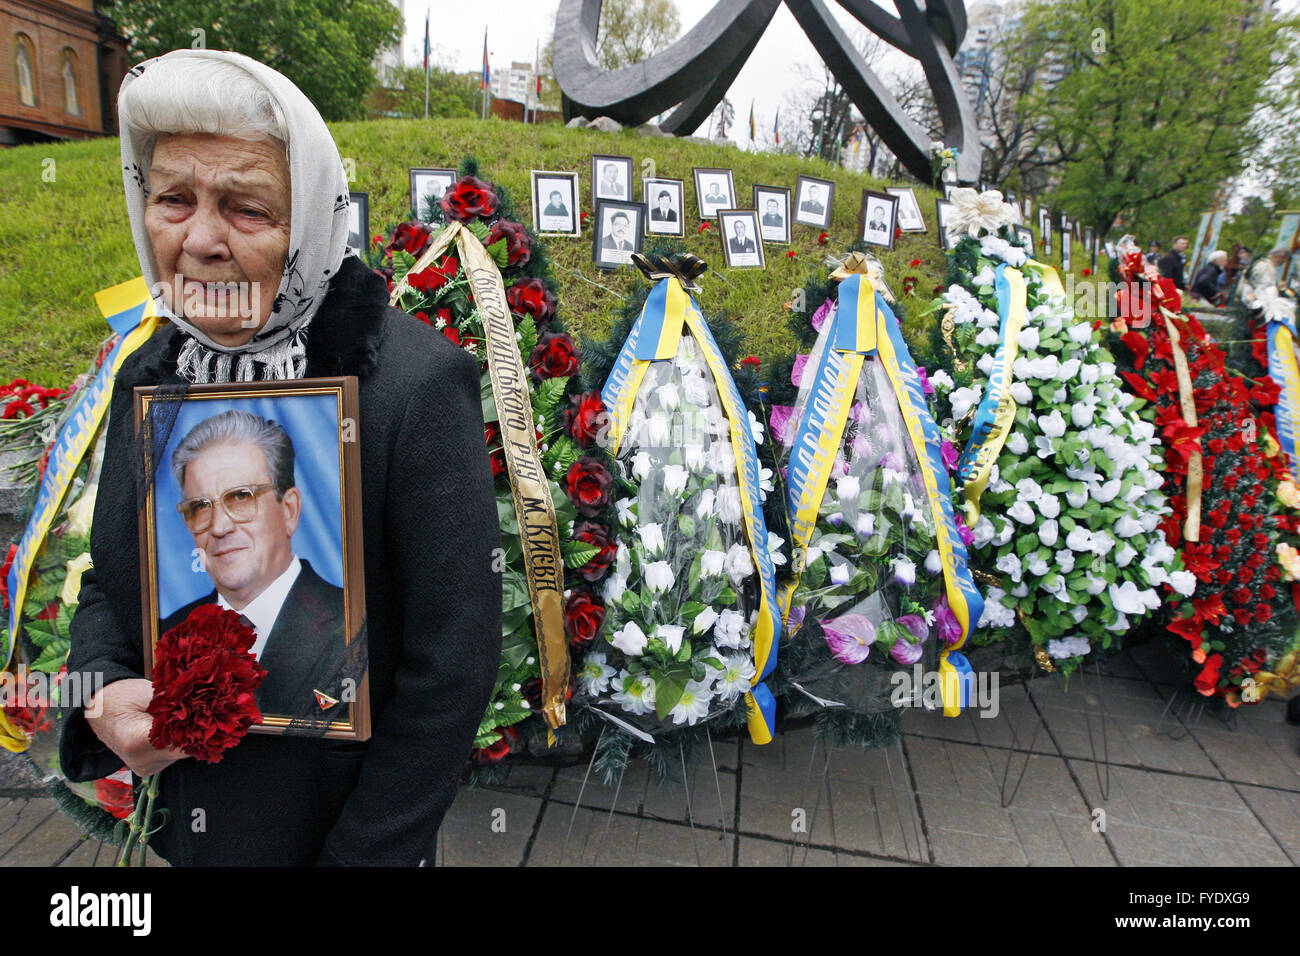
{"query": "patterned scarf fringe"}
pixel 287 359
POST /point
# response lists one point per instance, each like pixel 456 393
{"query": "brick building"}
pixel 60 66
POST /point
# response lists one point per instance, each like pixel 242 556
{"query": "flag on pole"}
pixel 776 126
pixel 487 69
pixel 751 121
pixel 426 41
pixel 537 67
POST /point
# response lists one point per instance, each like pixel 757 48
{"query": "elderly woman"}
pixel 1208 284
pixel 232 177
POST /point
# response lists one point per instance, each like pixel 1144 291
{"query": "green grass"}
pixel 62 240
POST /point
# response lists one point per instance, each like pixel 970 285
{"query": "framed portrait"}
pixel 358 223
pixel 948 239
pixel 611 178
pixel 1027 208
pixel 1090 244
pixel 427 187
pixel 618 232
pixel 715 190
pixel 1009 196
pixel 772 203
pixel 1066 249
pixel 813 201
pixel 663 199
pixel 555 203
pixel 877 219
pixel 742 243
pixel 1025 235
pixel 255 506
pixel 909 210
pixel 1045 229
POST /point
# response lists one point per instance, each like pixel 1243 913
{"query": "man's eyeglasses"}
pixel 239 503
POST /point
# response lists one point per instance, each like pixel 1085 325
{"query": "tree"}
pixel 326 47
pixel 450 94
pixel 1153 110
pixel 633 30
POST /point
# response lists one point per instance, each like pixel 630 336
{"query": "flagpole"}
pixel 426 64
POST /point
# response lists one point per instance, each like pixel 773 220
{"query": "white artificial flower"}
pixel 756 428
pixel 986 276
pixel 1079 539
pixel 730 629
pixel 933 564
pixel 1027 338
pixel 1080 333
pixel 1127 527
pixel 1021 512
pixel 671 635
pixel 658 576
pixel 641 465
pixel 904 571
pixel 1017 444
pixel 1065 560
pixel 1010 564
pixel 1043 446
pixel 721 459
pixel 594 676
pixel 704 507
pixel 987 337
pixel 668 396
pixel 985 363
pixel 737 676
pixel 1081 415
pixel 712 562
pixel 660 429
pixel 1058 396
pixel 652 538
pixel 630 639
pixel 704 620
pixel 941 380
pixel 1005 533
pixel 1021 393
pixel 740 564
pixel 840 574
pixel 1128 598
pixel 866 524
pixel 973 211
pixel 1102 543
pixel 696 391
pixel 983 532
pixel 1077 498
pixel 675 477
pixel 1036 565
pixel 615 585
pixel 693 705
pixel 626 516
pixel 728 504
pixel 962 399
pixel 639 695
pixel 847 490
pixel 1184 582
pixel 1106 491
pixel 1088 374
pixel 1048 532
pixel 1049 506
pixel 774 545
pixel 1053 425
pixel 1028 490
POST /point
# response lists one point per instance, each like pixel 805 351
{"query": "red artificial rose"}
pixel 205 680
pixel 1263 613
pixel 497 456
pixel 531 297
pixel 410 237
pixel 498 751
pixel 1266 391
pixel 589 486
pixel 589 532
pixel 586 419
pixel 584 616
pixel 1208 678
pixel 1242 596
pixel 468 199
pixel 29 712
pixel 115 797
pixel 751 360
pixel 433 278
pixel 519 245
pixel 555 356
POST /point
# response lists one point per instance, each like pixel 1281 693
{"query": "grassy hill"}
pixel 64 232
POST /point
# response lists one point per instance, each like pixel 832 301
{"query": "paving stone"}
pixel 787 751
pixel 597 838
pixel 47 843
pixel 595 793
pixel 1280 812
pixel 529 780
pixel 1056 839
pixel 1175 820
pixel 19 816
pixel 759 852
pixel 91 853
pixel 1157 662
pixel 1253 753
pixel 668 844
pixel 668 801
pixel 467 837
pixel 1013 725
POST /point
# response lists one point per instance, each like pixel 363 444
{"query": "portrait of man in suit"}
pixel 617 239
pixel 663 210
pixel 739 241
pixel 610 186
pixel 555 205
pixel 240 504
pixel 876 219
pixel 813 204
pixel 772 214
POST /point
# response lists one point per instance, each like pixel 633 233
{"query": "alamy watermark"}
pixel 37 690
pixel 216 300
pixel 922 688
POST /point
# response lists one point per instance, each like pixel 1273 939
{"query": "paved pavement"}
pixel 1045 782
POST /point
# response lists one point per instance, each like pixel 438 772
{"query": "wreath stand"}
pixel 1186 708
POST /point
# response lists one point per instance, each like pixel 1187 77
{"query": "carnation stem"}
pixel 151 792
pixel 136 825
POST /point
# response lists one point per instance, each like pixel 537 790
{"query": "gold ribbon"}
pixel 859 263
pixel 1195 471
pixel 534 509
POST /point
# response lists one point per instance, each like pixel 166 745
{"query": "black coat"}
pixel 1171 267
pixel 305 651
pixel 433 607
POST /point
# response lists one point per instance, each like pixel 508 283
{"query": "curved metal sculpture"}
pixel 694 73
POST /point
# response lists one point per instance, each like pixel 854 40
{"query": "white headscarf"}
pixel 318 233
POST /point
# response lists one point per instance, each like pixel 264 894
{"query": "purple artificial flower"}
pixel 782 424
pixel 905 572
pixel 819 317
pixel 860 413
pixel 841 466
pixel 796 618
pixel 916 624
pixel 926 387
pixel 850 637
pixel 946 624
pixel 800 368
pixel 891 460
pixel 964 532
pixel 948 452
pixel 905 652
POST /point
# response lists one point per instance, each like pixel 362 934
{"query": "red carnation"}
pixel 410 237
pixel 790 254
pixel 30 710
pixel 555 356
pixel 115 797
pixel 205 679
pixel 584 616
pixel 589 486
pixel 468 199
pixel 531 297
pixel 585 419
pixel 519 245
pixel 1208 678
pixel 703 226
pixel 823 238
pixel 589 532
pixel 914 263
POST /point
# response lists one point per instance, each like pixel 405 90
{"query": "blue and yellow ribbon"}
pixel 1283 369
pixel 864 325
pixel 129 309
pixel 654 338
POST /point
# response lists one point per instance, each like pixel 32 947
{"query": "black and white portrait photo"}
pixel 358 224
pixel 772 203
pixel 663 198
pixel 611 177
pixel 878 218
pixel 715 190
pixel 427 187
pixel 254 512
pixel 813 201
pixel 554 205
pixel 909 210
pixel 1045 229
pixel 618 233
pixel 742 245
pixel 1066 249
pixel 1026 237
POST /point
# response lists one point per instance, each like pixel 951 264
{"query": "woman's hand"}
pixel 123 725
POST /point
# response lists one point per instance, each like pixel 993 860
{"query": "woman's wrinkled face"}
pixel 217 215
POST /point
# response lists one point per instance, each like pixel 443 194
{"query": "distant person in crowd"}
pixel 1153 253
pixel 1173 264
pixel 1209 280
pixel 1264 274
pixel 664 212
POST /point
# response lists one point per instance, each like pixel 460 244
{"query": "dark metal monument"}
pixel 694 73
